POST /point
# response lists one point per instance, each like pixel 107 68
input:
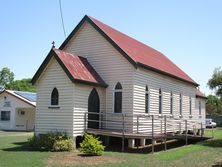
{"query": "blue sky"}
pixel 187 32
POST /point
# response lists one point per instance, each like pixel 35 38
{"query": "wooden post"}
pixel 165 131
pixel 137 123
pixel 186 132
pixel 123 131
pixel 152 134
pixel 161 126
pixel 152 145
pixel 165 124
pixel 180 127
pixel 165 144
pixel 212 132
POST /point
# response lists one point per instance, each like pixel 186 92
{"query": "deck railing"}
pixel 139 123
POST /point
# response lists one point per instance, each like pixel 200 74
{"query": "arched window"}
pixel 55 97
pixel 190 105
pixel 147 100
pixel 118 98
pixel 160 101
pixel 181 104
pixel 171 102
pixel 199 107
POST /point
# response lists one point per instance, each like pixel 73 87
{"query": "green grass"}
pixel 13 152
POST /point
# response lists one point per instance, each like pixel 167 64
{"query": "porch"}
pixel 141 127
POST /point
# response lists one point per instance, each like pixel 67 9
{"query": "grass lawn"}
pixel 14 153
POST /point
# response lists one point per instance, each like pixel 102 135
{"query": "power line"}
pixel 60 5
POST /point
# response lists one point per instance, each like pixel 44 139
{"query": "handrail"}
pixel 140 123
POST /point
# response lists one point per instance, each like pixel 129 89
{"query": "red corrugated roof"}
pixel 200 94
pixel 141 53
pixel 79 67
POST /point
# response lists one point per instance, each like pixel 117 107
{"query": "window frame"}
pixel 190 106
pixel 200 105
pixel 147 100
pixel 181 104
pixel 171 102
pixel 9 115
pixel 160 101
pixel 52 105
pixel 115 91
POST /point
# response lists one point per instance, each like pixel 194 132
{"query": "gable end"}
pixel 45 63
pixel 86 18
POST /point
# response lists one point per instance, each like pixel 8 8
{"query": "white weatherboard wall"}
pixel 54 119
pixel 109 64
pixel 81 96
pixel 154 82
pixel 15 104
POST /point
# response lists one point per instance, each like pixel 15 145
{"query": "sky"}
pixel 188 32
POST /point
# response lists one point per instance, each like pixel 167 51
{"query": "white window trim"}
pixel 190 107
pixel 199 108
pixel 113 101
pixel 50 105
pixel 171 103
pixel 147 92
pixel 9 116
pixel 181 105
pixel 160 112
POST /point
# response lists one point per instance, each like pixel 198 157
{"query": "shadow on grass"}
pixel 19 146
pixel 212 143
pixel 147 149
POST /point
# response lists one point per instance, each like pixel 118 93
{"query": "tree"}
pixel 22 85
pixel 215 83
pixel 6 77
pixel 214 105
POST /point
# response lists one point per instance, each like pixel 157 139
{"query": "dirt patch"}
pixel 76 158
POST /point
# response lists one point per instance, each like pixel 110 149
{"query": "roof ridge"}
pixel 137 53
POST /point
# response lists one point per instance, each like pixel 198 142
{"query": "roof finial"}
pixel 53 44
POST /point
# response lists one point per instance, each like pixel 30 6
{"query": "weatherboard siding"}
pixel 154 82
pixel 109 64
pixel 15 104
pixel 54 119
pixel 81 95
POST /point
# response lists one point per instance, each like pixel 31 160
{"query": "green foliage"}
pixel 62 145
pixel 214 105
pixel 91 145
pixel 215 83
pixel 6 77
pixel 52 141
pixel 22 85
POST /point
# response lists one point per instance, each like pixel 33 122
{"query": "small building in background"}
pixel 17 110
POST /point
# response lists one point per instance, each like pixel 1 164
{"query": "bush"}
pixel 62 145
pixel 52 141
pixel 91 145
pixel 34 142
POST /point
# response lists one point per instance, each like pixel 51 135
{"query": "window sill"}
pixel 171 116
pixel 190 116
pixel 200 116
pixel 4 120
pixel 180 116
pixel 54 107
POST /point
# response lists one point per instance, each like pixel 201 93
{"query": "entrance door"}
pixel 93 109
